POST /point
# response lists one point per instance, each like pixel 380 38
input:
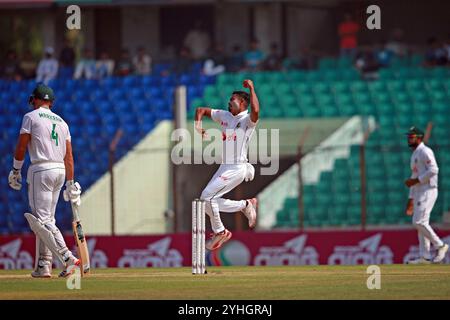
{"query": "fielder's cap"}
pixel 415 131
pixel 49 50
pixel 43 92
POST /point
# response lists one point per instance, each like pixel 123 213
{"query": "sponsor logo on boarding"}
pixel 12 257
pixel 367 251
pixel 157 254
pixel 232 253
pixel 293 252
pixel 97 257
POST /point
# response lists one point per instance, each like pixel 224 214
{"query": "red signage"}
pixel 245 248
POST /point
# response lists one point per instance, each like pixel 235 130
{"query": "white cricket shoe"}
pixel 42 271
pixel 71 265
pixel 421 260
pixel 250 212
pixel 441 254
pixel 218 240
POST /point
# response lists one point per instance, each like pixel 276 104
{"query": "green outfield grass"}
pixel 234 283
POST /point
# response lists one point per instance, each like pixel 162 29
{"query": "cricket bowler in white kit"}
pixel 47 138
pixel 237 128
pixel 423 193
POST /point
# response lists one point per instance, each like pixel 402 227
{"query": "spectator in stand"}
pixel 367 65
pixel 104 66
pixel 436 54
pixel 142 62
pixel 124 66
pixel 383 55
pixel 447 49
pixel 183 62
pixel 28 66
pixel 47 68
pixel 396 44
pixel 348 31
pixel 219 54
pixel 169 52
pixel 254 58
pixel 86 66
pixel 273 61
pixel 66 61
pixel 215 64
pixel 235 62
pixel 11 69
pixel 197 41
pixel 306 60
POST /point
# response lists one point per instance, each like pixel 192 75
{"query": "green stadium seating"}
pixel 381 97
pixel 338 215
pixel 419 108
pixel 324 198
pixel 349 75
pixel 296 76
pixel 377 87
pixel 282 88
pixel 329 111
pixel 265 89
pixel 347 109
pixel 344 63
pixel 320 88
pixel 313 76
pixel 292 111
pixel 343 98
pixel 339 87
pixel 327 63
pixel 311 111
pixel 324 99
pixel 308 199
pixel 359 97
pixel 365 108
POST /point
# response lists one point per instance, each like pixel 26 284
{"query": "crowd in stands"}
pixel 198 48
pixel 369 59
pixel 87 67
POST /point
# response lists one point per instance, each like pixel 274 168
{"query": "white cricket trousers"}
pixel 423 204
pixel 45 181
pixel 226 178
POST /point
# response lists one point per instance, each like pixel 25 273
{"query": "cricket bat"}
pixel 80 240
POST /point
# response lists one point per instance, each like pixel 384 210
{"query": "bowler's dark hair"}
pixel 243 95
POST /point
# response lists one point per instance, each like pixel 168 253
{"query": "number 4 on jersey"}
pixel 54 134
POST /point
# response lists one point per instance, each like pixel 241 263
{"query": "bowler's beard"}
pixel 413 145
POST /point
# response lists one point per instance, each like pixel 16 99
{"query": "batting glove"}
pixel 72 192
pixel 15 179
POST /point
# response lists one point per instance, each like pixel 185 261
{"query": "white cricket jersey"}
pixel 49 133
pixel 236 133
pixel 424 167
